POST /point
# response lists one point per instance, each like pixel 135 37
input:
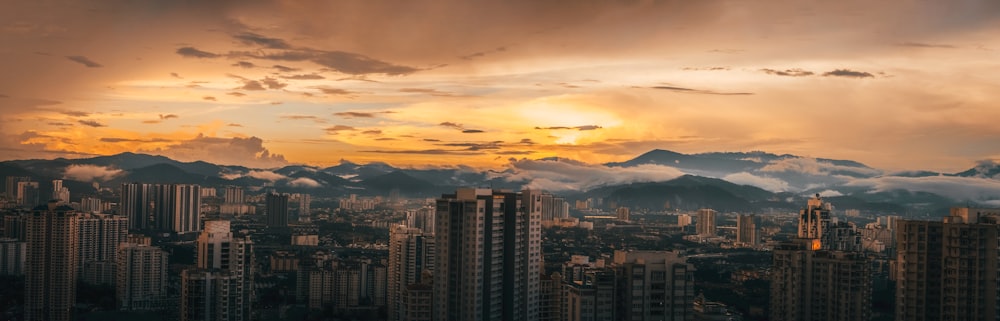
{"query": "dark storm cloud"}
pixel 924 45
pixel 304 77
pixel 248 38
pixel 794 72
pixel 91 123
pixel 700 91
pixel 84 61
pixel 848 73
pixel 191 52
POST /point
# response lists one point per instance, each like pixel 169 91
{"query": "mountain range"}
pixel 737 181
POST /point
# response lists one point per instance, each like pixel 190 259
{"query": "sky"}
pixel 897 85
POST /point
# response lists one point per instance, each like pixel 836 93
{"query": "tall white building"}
pixel 488 245
pixel 59 192
pixel 141 277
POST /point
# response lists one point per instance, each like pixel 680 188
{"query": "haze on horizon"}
pixel 894 84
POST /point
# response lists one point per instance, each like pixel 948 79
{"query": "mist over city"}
pixel 455 160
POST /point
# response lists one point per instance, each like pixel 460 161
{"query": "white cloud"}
pixel 959 188
pixel 266 175
pixel 560 175
pixel 830 193
pixel 224 151
pixel 89 173
pixel 304 182
pixel 768 183
pixel 813 166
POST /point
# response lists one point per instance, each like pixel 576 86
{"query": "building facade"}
pixel 488 245
pixel 50 274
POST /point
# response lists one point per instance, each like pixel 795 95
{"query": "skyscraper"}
pixel 28 194
pixel 814 222
pixel 141 277
pixel 811 282
pixel 100 235
pixel 746 230
pixel 59 192
pixel 50 277
pixel 162 207
pixel 221 287
pixel 234 195
pixel 591 298
pixel 411 253
pixel 136 204
pixel 657 285
pixel 488 245
pixel 706 222
pixel 13 254
pixel 947 270
pixel 277 209
pixel 10 189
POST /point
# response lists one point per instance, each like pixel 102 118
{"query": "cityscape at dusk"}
pixel 451 160
pixel 897 85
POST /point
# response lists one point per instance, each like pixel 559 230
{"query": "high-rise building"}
pixel 683 220
pixel 10 189
pixel 59 192
pixel 16 226
pixel 163 207
pixel 305 200
pixel 277 210
pixel 656 285
pixel 488 246
pixel 13 254
pixel 814 222
pixel 550 297
pixel 411 253
pixel 591 298
pixel 947 270
pixel 50 274
pixel 417 302
pixel 814 278
pixel 136 204
pixel 92 205
pixel 234 195
pixel 819 285
pixel 141 277
pixel 422 219
pixel 100 235
pixel 622 213
pixel 28 194
pixel 221 287
pixel 706 222
pixel 746 230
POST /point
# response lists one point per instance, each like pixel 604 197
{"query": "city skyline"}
pixel 896 85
